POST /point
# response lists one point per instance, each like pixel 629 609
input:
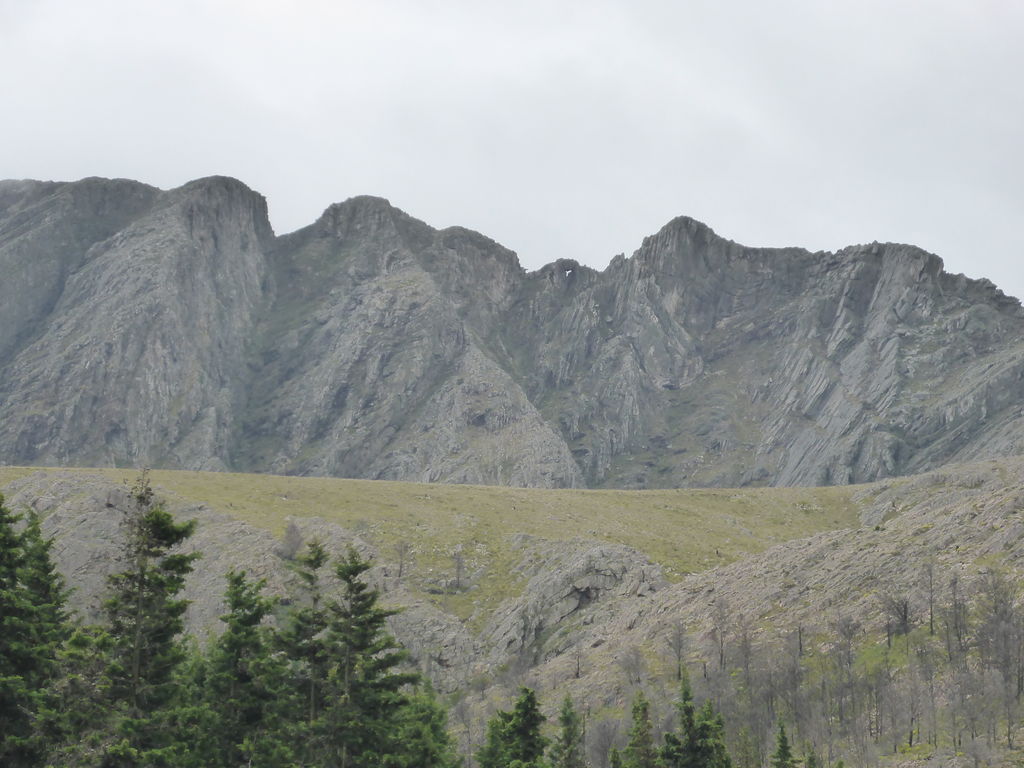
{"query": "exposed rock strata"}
pixel 174 329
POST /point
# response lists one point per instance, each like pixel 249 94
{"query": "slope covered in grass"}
pixel 682 530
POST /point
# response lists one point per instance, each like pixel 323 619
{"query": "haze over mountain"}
pixel 174 329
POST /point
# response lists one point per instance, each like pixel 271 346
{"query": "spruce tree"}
pixel 243 683
pixel 514 738
pixel 16 653
pixel 709 744
pixel 302 642
pixel 640 751
pixel 679 750
pixel 700 740
pixel 33 625
pixel 783 755
pixel 494 752
pixel 76 722
pixel 567 750
pixel 364 700
pixel 423 733
pixel 46 593
pixel 146 618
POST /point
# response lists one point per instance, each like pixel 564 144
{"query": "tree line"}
pixel 325 686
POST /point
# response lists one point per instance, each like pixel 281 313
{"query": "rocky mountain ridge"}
pixel 174 329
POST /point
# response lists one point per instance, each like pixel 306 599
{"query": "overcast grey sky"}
pixel 560 129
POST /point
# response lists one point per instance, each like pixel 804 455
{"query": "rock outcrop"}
pixel 174 329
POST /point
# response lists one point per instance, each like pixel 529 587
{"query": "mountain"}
pixel 174 329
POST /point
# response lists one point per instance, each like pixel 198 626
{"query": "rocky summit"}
pixel 174 329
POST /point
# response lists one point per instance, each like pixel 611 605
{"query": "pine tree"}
pixel 679 750
pixel 75 723
pixel 640 751
pixel 514 738
pixel 783 755
pixel 243 682
pixel 709 746
pixel 567 751
pixel 302 642
pixel 146 618
pixel 423 733
pixel 16 652
pixel 364 700
pixel 700 741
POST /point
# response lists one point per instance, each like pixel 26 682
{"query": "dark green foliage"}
pixel 33 625
pixel 514 738
pixel 301 639
pixel 423 733
pixel 710 741
pixel 700 740
pixel 15 643
pixel 243 684
pixel 144 612
pixel 783 755
pixel 329 690
pixel 640 751
pixel 679 750
pixel 363 699
pixel 45 590
pixel 567 750
pixel 118 701
pixel 75 723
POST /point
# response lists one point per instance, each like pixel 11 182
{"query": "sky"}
pixel 561 129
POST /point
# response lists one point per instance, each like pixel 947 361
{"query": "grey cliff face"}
pixel 174 329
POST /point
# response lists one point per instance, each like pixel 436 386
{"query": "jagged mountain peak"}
pixel 173 328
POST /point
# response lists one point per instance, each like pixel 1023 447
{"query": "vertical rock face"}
pixel 142 357
pixel 139 326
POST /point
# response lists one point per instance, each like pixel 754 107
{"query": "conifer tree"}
pixel 302 642
pixel 363 690
pixel 76 722
pixel 33 625
pixel 679 750
pixel 15 639
pixel 640 751
pixel 146 618
pixel 47 594
pixel 567 750
pixel 783 755
pixel 514 738
pixel 709 746
pixel 700 741
pixel 423 733
pixel 243 683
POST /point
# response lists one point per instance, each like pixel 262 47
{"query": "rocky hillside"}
pixel 588 593
pixel 174 329
pixel 483 574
